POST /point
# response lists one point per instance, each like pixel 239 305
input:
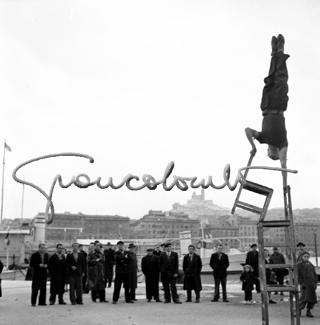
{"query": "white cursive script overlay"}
pixel 84 181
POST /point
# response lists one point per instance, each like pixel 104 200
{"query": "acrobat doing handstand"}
pixel 273 105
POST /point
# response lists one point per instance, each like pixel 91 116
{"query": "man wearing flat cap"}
pixel 108 264
pixel 150 269
pixel 169 266
pixel 252 259
pixel 192 266
pixel 301 251
pixel 123 260
pixel 133 272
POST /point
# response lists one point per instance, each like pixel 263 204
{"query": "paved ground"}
pixel 15 309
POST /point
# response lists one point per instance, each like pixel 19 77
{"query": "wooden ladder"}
pixel 290 246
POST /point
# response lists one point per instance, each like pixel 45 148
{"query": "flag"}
pixel 7 238
pixel 7 147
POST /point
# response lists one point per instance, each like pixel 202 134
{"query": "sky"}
pixel 137 84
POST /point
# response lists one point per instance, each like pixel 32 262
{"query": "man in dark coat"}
pixel 192 266
pixel 58 273
pixel 169 266
pixel 273 105
pixel 219 262
pixel 108 264
pixel 123 260
pixel 39 261
pixel 133 272
pixel 84 278
pixel 76 270
pixel 96 278
pixel 253 260
pixel 308 281
pixel 150 269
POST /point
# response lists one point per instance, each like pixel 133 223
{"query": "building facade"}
pixel 158 224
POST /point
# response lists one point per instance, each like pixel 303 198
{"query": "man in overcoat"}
pixel 84 278
pixel 39 261
pixel 96 277
pixel 308 280
pixel 219 263
pixel 76 270
pixel 108 264
pixel 253 260
pixel 58 273
pixel 123 260
pixel 169 266
pixel 192 266
pixel 150 269
pixel 133 272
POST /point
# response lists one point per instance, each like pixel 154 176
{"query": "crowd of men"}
pixel 94 271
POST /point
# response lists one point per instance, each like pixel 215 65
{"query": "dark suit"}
pixel 58 273
pixel 169 266
pixel 219 262
pixel 75 276
pixel 39 278
pixel 123 260
pixel 253 260
pixel 150 269
pixel 192 279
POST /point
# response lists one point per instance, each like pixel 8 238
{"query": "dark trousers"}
pixel 101 293
pixel 39 285
pixel 152 287
pixel 132 293
pixel 189 294
pixel 84 283
pixel 280 276
pixel 169 282
pixel 108 274
pixel 125 279
pixel 75 288
pixel 217 281
pixel 248 295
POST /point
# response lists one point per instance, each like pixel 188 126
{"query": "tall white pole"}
pixel 22 204
pixel 2 194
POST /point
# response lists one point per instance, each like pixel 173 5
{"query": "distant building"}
pixel 158 224
pixel 68 227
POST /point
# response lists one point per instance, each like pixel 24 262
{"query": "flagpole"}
pixel 4 159
pixel 22 204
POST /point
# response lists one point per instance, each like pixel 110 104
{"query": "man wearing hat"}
pixel 133 272
pixel 253 260
pixel 123 260
pixel 219 263
pixel 108 264
pixel 84 278
pixel 150 269
pixel 192 266
pixel 301 251
pixel 169 266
